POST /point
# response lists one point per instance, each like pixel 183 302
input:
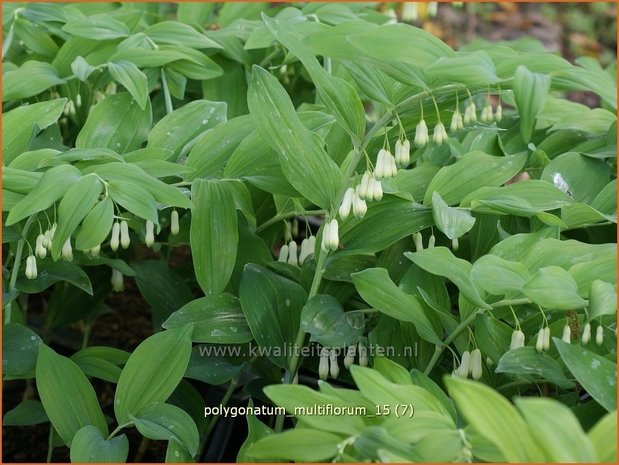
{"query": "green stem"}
pixel 508 302
pixel 224 401
pixel 50 444
pixel 464 324
pixel 15 271
pixel 8 40
pixel 277 218
pixel 166 93
pixel 118 429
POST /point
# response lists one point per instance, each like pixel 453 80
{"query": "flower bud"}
pixel 67 251
pixel 410 12
pixel 118 281
pixel 539 344
pixel 379 169
pixel 440 135
pixel 124 234
pixel 31 267
pixel 599 335
pixel 346 204
pixel 323 364
pixel 377 190
pixel 306 250
pixel 364 189
pixel 312 244
pixel 111 88
pixel 455 244
pixel 295 228
pixel 363 354
pixel 39 249
pixel 498 114
pixel 586 334
pixel 334 368
pixel 359 207
pixel 456 121
pixel 418 238
pixel 292 254
pixel 334 239
pixel 470 113
pixel 431 242
pixel 174 225
pixel 489 361
pixel 567 334
pixel 115 239
pixel 546 338
pixel 95 250
pixel 486 113
pixel 476 367
pixel 349 359
pixel 432 9
pixel 78 101
pixel 283 254
pixel 402 153
pixel 465 364
pixel 326 234
pixel 149 238
pixel 517 340
pixel 421 134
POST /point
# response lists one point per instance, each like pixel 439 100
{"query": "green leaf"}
pixel 468 68
pixel 175 33
pixel 566 173
pixel 54 183
pixel 20 349
pixel 96 225
pixel 89 446
pixel 81 69
pixel 472 171
pixel 325 320
pixel 496 419
pixel 134 198
pixel 161 421
pixel 74 206
pixel 305 163
pixel 272 306
pixel 442 262
pixel 599 434
pixel 134 80
pixel 194 13
pixel 376 288
pixel 217 318
pixel 214 234
pixel 596 374
pixel 557 430
pixel 452 222
pixel 602 299
pixel 50 272
pixel 97 27
pixel 176 453
pixel 68 398
pixel 21 123
pixel 116 123
pixel 527 361
pixel 178 130
pixel 498 276
pixel 256 430
pixel 210 367
pixel 585 273
pixel 539 195
pixel 28 412
pixel 300 445
pixel 530 92
pixel 153 371
pixel 194 64
pixel 553 287
pixel 35 37
pixel 30 79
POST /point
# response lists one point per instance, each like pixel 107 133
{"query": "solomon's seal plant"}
pixel 359 235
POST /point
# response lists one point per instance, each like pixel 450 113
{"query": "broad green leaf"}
pixel 295 397
pixel 28 412
pixel 526 361
pixel 73 208
pixel 498 276
pixel 54 183
pixel 557 430
pixel 540 195
pixel 98 27
pixel 175 33
pixel 153 371
pixel 98 368
pixel 305 163
pixel 194 13
pixel 134 80
pixel 134 198
pixel 177 453
pixel 20 349
pixel 299 445
pixel 540 252
pixel 585 273
pixel 553 287
pixel 377 289
pixel 492 335
pixel 81 69
pixel 194 64
pixel 210 367
pixel 566 173
pixel 214 235
pixel 20 124
pixel 599 435
pixel 442 262
pixel 216 318
pixel 161 421
pixel 272 306
pixel 496 419
pixel 472 171
pixel 256 430
pixel 117 123
pixel 530 92
pixel 468 68
pixel 178 130
pixel 89 446
pixel 606 200
pixel 96 225
pixel 68 398
pixel 34 37
pixel 50 272
pixel 579 215
pixel 30 79
pixel 162 287
pixel 453 222
pixel 596 374
pixel 325 320
pixel 602 299
pixel 20 180
pixel 596 121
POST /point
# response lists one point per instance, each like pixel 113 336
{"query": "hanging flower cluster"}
pixel 328 363
pixel 288 252
pixel 470 364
